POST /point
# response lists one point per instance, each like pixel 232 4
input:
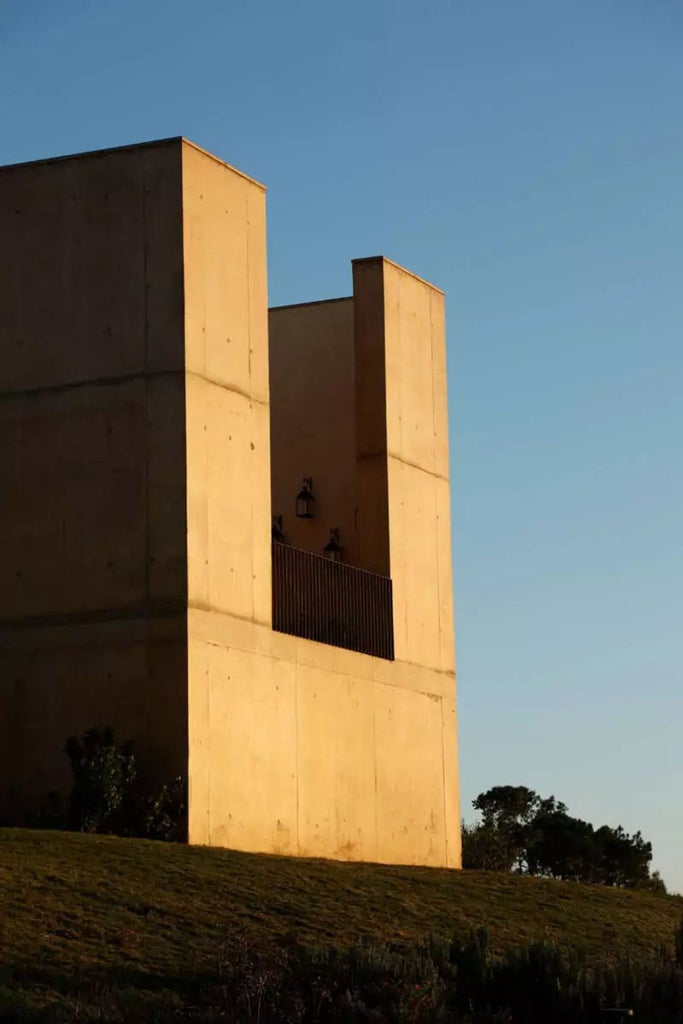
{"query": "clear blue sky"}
pixel 527 157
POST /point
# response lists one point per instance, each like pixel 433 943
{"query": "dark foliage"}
pixel 164 815
pixel 482 848
pixel 434 981
pixel 104 774
pixel 108 796
pixel 520 831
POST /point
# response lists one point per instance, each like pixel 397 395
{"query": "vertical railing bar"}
pixel 331 603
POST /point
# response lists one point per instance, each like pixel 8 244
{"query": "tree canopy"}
pixel 523 832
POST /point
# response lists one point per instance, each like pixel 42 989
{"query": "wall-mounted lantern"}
pixel 305 502
pixel 333 549
pixel 276 530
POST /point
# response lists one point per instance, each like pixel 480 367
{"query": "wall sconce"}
pixel 305 502
pixel 333 549
pixel 276 530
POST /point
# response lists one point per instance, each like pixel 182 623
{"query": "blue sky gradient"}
pixel 526 157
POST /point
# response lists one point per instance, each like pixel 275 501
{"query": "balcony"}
pixel 330 602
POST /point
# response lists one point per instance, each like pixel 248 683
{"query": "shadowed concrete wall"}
pixel 312 427
pixel 92 546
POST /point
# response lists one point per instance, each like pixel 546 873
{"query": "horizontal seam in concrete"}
pixel 414 465
pixel 95 382
pixel 313 302
pixel 228 387
pixel 138 611
pixel 447 673
pixel 197 606
pixel 411 664
pixel 367 456
pixel 333 671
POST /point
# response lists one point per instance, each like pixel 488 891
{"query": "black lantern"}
pixel 276 530
pixel 305 502
pixel 333 549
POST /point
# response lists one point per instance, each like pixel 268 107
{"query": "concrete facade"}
pixel 93 522
pixel 154 418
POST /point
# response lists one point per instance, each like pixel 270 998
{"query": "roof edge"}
pixel 153 143
pixel 94 152
pixel 313 302
pixel 217 159
pixel 397 266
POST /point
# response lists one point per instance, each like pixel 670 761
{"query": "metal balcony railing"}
pixel 333 603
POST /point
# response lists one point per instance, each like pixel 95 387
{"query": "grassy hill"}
pixel 88 913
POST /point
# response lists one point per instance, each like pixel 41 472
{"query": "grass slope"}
pixel 77 911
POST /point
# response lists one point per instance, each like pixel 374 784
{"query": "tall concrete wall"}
pixel 312 427
pixel 135 530
pixel 92 537
pixel 308 749
pixel 228 473
pixel 226 381
pixel 403 468
pixel 403 487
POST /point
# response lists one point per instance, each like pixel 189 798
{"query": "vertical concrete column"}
pixel 403 494
pixel 226 364
pixel 403 484
pixel 228 476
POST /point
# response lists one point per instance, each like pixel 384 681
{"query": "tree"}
pixel 563 847
pixel 624 859
pixel 483 848
pixel 508 815
pixel 520 831
pixel 656 883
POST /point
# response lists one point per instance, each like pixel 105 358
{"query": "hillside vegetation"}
pixel 81 912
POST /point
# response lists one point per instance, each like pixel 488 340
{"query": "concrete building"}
pixel 155 418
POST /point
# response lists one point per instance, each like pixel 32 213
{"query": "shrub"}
pixel 104 774
pixel 438 981
pixel 107 794
pixel 165 815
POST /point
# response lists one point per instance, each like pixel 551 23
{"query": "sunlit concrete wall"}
pixel 403 464
pixel 403 485
pixel 310 749
pixel 92 515
pixel 359 402
pixel 135 528
pixel 226 385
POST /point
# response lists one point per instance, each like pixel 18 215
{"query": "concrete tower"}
pixel 155 417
